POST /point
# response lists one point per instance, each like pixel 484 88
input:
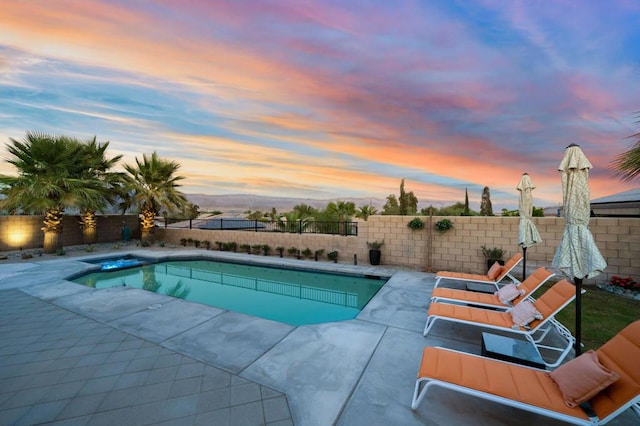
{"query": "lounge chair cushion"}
pixel 508 293
pixel 582 378
pixel 524 312
pixel 494 271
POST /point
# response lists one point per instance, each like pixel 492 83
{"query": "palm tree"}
pixel 365 211
pixel 97 169
pixel 50 179
pixel 627 164
pixel 341 211
pixel 293 222
pixel 151 186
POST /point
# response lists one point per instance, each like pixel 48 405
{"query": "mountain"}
pixel 239 203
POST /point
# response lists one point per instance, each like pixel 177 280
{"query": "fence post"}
pixel 255 225
pixel 299 226
pixel 190 223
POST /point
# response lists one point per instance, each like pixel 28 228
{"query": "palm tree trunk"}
pixel 52 229
pixel 147 223
pixel 89 226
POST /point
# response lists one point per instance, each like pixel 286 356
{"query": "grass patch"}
pixel 603 315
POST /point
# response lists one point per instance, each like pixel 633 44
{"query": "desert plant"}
pixel 256 248
pixel 307 252
pixel 280 250
pixel 89 249
pixel 189 240
pixel 196 243
pixel 292 251
pixel 266 249
pixel 183 242
pixel 161 243
pixel 232 246
pixel 206 244
pixel 375 245
pixel 60 252
pixel 220 245
pixel 443 226
pixel 26 255
pixel 246 248
pixel 145 243
pixel 416 224
pixel 492 253
pixel 333 255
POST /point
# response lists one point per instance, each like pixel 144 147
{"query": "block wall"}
pixel 24 232
pixel 457 249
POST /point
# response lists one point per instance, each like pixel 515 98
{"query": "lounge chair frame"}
pixel 534 335
pixel 483 279
pixel 473 298
pixel 611 401
pixel 423 384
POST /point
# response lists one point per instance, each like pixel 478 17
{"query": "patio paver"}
pixel 74 355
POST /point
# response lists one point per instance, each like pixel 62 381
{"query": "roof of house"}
pixel 620 197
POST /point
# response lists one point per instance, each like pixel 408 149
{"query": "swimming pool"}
pixel 295 297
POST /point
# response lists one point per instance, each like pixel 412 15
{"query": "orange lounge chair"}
pixel 484 279
pixel 490 300
pixel 550 303
pixel 532 389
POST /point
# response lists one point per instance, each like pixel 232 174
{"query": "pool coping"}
pixel 97 266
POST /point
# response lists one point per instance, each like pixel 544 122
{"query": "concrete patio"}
pixel 71 354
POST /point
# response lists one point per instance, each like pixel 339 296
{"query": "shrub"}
pixel 626 283
pixel 443 226
pixel 161 243
pixel 183 242
pixel 145 243
pixel 89 249
pixel 256 248
pixel 266 249
pixel 280 250
pixel 196 243
pixel 206 244
pixel 60 252
pixel 246 248
pixel 231 246
pixel 292 251
pixel 416 224
pixel 333 255
pixel 307 252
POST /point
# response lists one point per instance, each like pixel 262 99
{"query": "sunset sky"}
pixel 333 99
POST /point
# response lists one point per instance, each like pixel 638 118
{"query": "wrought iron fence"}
pixel 297 227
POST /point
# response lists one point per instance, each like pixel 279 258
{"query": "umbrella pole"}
pixel 524 263
pixel 578 283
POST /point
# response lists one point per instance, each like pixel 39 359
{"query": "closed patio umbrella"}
pixel 577 255
pixel 527 232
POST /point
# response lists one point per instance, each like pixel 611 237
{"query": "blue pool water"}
pixel 291 296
